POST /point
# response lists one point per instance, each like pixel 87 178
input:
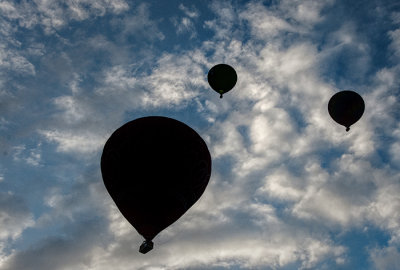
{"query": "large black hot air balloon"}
pixel 222 78
pixel 155 168
pixel 346 107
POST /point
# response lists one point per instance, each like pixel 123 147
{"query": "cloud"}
pixel 305 12
pixel 186 23
pixel 395 147
pixel 15 217
pixel 385 258
pixel 86 198
pixel 82 9
pixel 190 12
pixel 282 185
pixel 264 23
pixel 30 156
pixel 55 15
pixel 395 45
pixel 139 25
pixel 76 218
pixel 395 17
pixel 60 252
pixel 227 18
pixel 74 142
pixel 11 60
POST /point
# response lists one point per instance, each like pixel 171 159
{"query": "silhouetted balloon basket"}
pixel 146 246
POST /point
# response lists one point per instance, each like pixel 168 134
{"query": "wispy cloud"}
pixel 15 217
pixel 54 15
pixel 186 23
pixel 386 258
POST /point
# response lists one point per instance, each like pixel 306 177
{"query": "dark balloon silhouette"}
pixel 155 168
pixel 346 107
pixel 222 78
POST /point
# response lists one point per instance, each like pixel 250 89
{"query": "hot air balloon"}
pixel 222 78
pixel 155 168
pixel 346 107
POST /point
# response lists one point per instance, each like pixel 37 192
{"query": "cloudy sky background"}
pixel 290 189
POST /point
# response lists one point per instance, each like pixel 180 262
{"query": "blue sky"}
pixel 290 189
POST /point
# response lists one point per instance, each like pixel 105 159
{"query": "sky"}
pixel 290 188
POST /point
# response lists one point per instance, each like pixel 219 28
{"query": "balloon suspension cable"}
pixel 146 246
pixel 347 129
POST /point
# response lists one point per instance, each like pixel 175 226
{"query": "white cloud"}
pixel 12 60
pixel 14 218
pixel 74 142
pixel 86 197
pixel 395 147
pixel 385 258
pixel 55 15
pixel 354 194
pixel 171 82
pixel 264 23
pixel 383 209
pixel 190 12
pixel 34 157
pixel 305 12
pixel 31 156
pixel 395 16
pixel 186 23
pixel 223 26
pixel 73 108
pixel 175 79
pixel 270 133
pixel 282 185
pixel 74 251
pixel 140 25
pixel 82 9
pixel 395 36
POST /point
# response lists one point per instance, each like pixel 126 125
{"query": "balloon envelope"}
pixel 222 78
pixel 346 107
pixel 155 168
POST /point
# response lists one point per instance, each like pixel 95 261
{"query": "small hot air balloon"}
pixel 346 107
pixel 155 168
pixel 222 78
